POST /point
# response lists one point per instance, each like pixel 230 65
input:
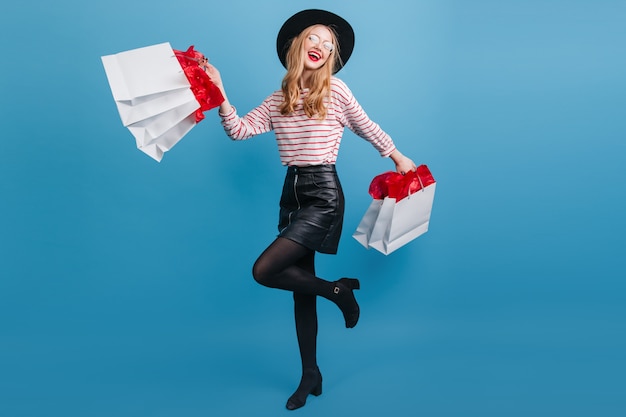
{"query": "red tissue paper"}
pixel 394 185
pixel 208 94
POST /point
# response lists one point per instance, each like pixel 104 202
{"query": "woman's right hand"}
pixel 214 75
pixel 216 79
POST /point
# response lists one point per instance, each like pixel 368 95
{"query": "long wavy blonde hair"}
pixel 319 83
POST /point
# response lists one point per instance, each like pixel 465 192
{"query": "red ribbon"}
pixel 398 186
pixel 208 94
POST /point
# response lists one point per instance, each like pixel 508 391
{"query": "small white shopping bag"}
pixel 148 130
pixel 146 82
pixel 383 221
pixel 155 147
pixel 400 210
pixel 363 231
pixel 399 223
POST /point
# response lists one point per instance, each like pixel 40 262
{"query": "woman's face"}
pixel 317 47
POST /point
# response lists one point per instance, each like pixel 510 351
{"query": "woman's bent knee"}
pixel 261 274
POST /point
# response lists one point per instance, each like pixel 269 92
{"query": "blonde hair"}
pixel 319 85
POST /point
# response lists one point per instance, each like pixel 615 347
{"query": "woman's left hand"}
pixel 403 164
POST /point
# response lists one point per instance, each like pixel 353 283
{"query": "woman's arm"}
pixel 358 121
pixel 239 128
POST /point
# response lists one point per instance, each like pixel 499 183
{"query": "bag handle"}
pixel 421 185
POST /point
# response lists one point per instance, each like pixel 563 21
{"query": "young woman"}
pixel 308 115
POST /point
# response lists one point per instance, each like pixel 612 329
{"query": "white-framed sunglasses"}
pixel 326 45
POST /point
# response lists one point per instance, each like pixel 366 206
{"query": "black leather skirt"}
pixel 312 207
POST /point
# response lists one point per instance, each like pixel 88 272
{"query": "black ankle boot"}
pixel 310 383
pixel 346 300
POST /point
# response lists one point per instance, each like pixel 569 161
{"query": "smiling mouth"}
pixel 314 56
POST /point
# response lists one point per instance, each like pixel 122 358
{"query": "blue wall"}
pixel 125 285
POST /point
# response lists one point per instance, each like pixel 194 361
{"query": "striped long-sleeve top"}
pixel 309 141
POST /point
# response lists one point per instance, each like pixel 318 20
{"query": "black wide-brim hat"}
pixel 302 20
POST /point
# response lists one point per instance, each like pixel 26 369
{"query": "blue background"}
pixel 125 285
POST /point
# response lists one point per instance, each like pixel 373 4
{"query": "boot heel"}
pixel 351 283
pixel 346 301
pixel 317 391
pixel 309 376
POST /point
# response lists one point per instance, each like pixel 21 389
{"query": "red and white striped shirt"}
pixel 309 141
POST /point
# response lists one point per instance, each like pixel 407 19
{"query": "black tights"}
pixel 290 266
pixel 287 265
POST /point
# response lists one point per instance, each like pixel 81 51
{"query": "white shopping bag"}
pixel 146 82
pixel 152 95
pixel 364 230
pixel 383 221
pixel 391 223
pixel 148 130
pixel 155 147
pixel 400 222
